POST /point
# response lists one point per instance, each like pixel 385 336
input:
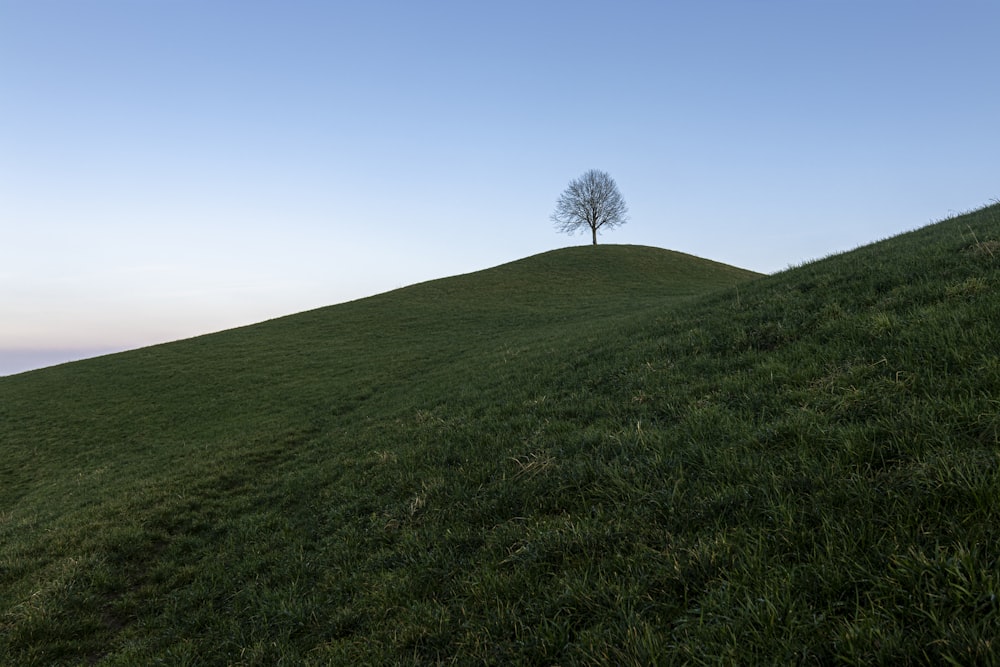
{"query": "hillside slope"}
pixel 300 369
pixel 803 469
pixel 142 450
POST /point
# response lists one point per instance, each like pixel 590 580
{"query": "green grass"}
pixel 600 455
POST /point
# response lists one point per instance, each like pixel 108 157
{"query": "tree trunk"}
pixel 594 230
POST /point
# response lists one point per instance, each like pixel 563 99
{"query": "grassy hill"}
pixel 599 455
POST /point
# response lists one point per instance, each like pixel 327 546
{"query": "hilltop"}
pixel 615 455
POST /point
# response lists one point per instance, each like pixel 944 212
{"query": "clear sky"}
pixel 174 167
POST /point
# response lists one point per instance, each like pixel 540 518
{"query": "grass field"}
pixel 599 455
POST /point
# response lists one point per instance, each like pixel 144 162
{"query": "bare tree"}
pixel 593 201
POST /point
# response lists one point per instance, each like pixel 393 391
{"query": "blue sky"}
pixel 174 167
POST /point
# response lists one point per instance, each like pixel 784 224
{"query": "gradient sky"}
pixel 175 167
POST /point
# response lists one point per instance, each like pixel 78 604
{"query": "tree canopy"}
pixel 591 201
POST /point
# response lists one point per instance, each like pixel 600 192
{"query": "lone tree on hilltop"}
pixel 593 201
